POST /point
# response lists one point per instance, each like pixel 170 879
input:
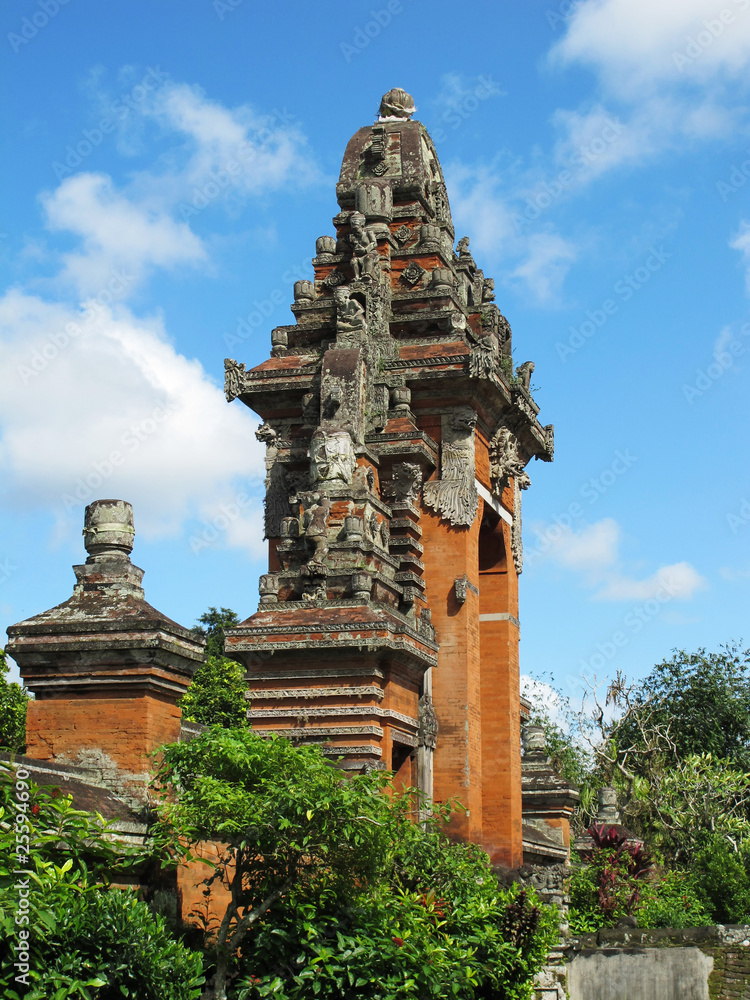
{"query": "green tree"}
pixel 72 936
pixel 333 890
pixel 13 702
pixel 212 626
pixel 216 695
pixel 701 700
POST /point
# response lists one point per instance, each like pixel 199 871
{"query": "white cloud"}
pixel 116 233
pixel 544 699
pixel 638 45
pixel 115 410
pixel 547 262
pixel 594 551
pixel 679 581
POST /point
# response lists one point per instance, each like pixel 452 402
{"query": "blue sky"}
pixel 168 169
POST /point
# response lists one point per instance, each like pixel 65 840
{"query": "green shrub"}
pixel 671 899
pixel 722 881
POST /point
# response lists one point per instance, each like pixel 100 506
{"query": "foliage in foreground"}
pixel 333 890
pixel 13 702
pixel 85 941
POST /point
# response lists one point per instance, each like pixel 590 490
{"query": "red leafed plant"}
pixel 620 866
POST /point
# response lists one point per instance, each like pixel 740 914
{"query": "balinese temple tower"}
pixel 397 433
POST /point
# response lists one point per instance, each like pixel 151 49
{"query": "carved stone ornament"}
pixel 405 482
pixel 488 290
pixel 334 279
pixel 428 723
pixel 516 532
pixel 332 457
pixel 412 273
pixel 462 249
pixel 524 373
pixel 403 234
pixel 507 460
pixel 396 105
pixel 265 434
pixel 315 531
pixel 234 379
pixel 365 256
pixel 454 495
pixel 459 588
pixel 350 313
pixel 484 357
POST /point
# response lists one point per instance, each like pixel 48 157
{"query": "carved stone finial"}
pixel 608 811
pixel 108 527
pixel 534 741
pixel 462 249
pixel 396 105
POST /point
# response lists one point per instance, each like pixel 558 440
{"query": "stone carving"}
pixel 361 586
pixel 405 482
pixel 365 256
pixel 268 587
pixel 396 105
pixel 385 534
pixel 462 250
pixel 428 723
pixel 276 501
pixel 459 588
pixel 484 357
pixel 488 290
pixel 373 525
pixel 403 234
pixel 350 313
pixel 332 457
pixel 266 434
pixel 507 460
pixel 412 273
pixel 442 280
pixel 549 440
pixel 325 246
pixel 353 529
pixel 374 201
pixel 524 373
pixel 454 496
pixel 315 532
pixel 334 279
pixel 304 291
pixel 430 238
pixel 516 533
pixel 234 378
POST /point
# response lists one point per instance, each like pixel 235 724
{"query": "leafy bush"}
pixel 722 881
pixel 85 941
pixel 13 702
pixel 333 889
pixel 671 899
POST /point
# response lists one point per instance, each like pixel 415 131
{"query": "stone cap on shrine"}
pixel 106 638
